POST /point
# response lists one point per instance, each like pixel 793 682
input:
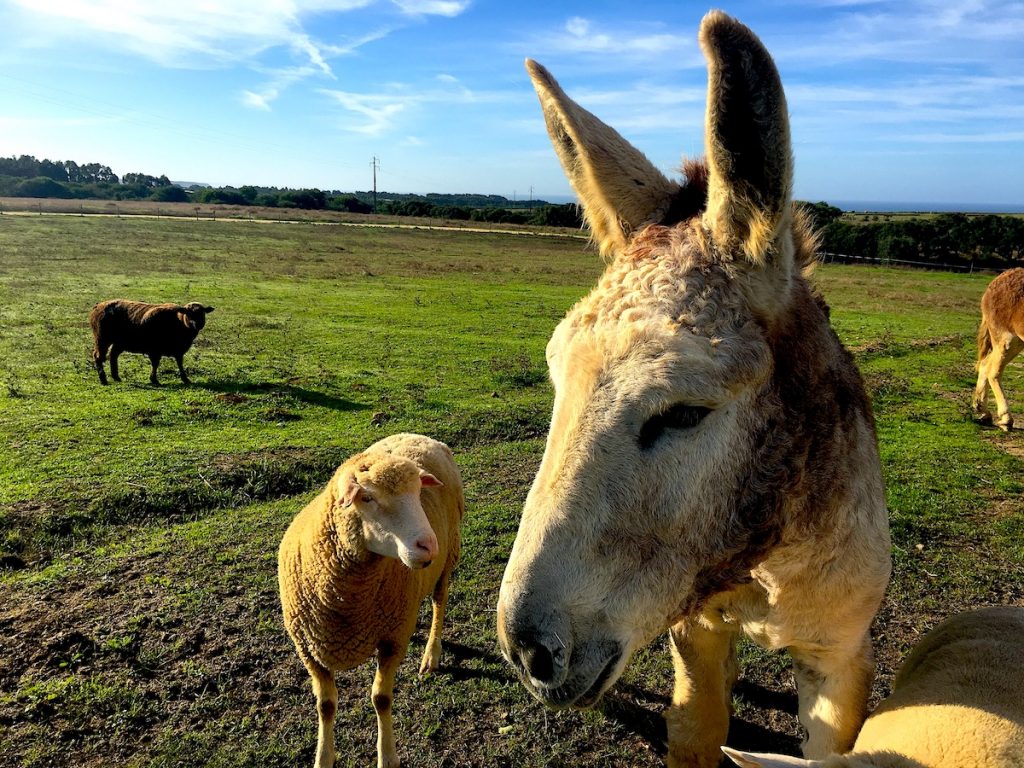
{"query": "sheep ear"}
pixel 187 321
pixel 758 760
pixel 429 481
pixel 619 188
pixel 348 489
pixel 207 310
pixel 746 133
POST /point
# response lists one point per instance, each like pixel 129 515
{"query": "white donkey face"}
pixel 649 497
pixel 651 442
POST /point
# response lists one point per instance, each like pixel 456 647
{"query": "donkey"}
pixel 1000 339
pixel 712 464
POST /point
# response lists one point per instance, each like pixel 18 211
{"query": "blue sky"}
pixel 916 100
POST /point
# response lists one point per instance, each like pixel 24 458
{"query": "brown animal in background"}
pixel 711 466
pixel 155 330
pixel 1000 339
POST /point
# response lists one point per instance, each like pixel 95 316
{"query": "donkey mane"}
pixel 690 200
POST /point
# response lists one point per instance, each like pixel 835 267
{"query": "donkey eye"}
pixel 680 416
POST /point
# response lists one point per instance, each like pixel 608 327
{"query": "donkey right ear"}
pixel 619 188
pixel 746 136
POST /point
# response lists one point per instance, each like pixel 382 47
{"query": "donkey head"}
pixel 661 482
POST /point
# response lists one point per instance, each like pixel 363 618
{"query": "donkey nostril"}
pixel 539 663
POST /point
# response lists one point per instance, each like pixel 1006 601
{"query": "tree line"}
pixel 25 176
pixel 985 241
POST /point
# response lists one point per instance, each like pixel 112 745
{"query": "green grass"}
pixel 139 623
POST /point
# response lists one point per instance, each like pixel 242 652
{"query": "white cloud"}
pixel 432 7
pixel 377 112
pixel 186 33
pixel 259 100
pixel 630 41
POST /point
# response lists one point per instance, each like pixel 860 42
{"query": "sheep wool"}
pixel 956 703
pixel 356 563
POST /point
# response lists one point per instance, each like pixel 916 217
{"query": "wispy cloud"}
pixel 432 7
pixel 649 42
pixel 925 31
pixel 191 34
pixel 376 113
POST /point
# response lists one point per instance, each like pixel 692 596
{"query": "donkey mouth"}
pixel 586 684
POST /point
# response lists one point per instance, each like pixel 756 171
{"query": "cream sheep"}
pixel 957 703
pixel 357 562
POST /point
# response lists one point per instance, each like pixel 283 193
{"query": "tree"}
pixel 41 186
pixel 169 194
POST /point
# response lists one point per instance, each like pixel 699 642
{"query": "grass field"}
pixel 139 620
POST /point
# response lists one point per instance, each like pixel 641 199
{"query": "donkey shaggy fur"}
pixel 712 465
pixel 1000 339
pixel 155 330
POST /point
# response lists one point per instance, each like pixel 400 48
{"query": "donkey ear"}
pixel 619 188
pixel 746 134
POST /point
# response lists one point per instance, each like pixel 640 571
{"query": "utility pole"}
pixel 531 197
pixel 376 164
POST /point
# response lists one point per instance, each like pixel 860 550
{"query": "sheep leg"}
pixel 832 687
pixel 99 355
pixel 389 656
pixel 181 369
pixel 326 692
pixel 439 603
pixel 155 362
pixel 704 659
pixel 115 352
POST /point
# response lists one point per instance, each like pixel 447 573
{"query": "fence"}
pixel 843 258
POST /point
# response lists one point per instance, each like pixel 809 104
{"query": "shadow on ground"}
pixel 310 396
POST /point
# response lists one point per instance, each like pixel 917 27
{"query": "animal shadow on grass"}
pixel 310 396
pixel 496 668
pixel 650 725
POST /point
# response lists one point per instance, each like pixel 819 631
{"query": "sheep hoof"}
pixel 430 664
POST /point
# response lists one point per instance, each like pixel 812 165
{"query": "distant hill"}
pixel 192 184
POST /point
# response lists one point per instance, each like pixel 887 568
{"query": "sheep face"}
pixel 393 521
pixel 197 314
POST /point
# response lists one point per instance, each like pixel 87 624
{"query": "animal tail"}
pixel 984 342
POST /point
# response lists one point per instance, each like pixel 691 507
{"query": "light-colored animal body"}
pixel 1000 339
pixel 956 703
pixel 711 465
pixel 357 562
pixel 155 330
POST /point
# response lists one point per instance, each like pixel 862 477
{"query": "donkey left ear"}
pixel 746 133
pixel 619 188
